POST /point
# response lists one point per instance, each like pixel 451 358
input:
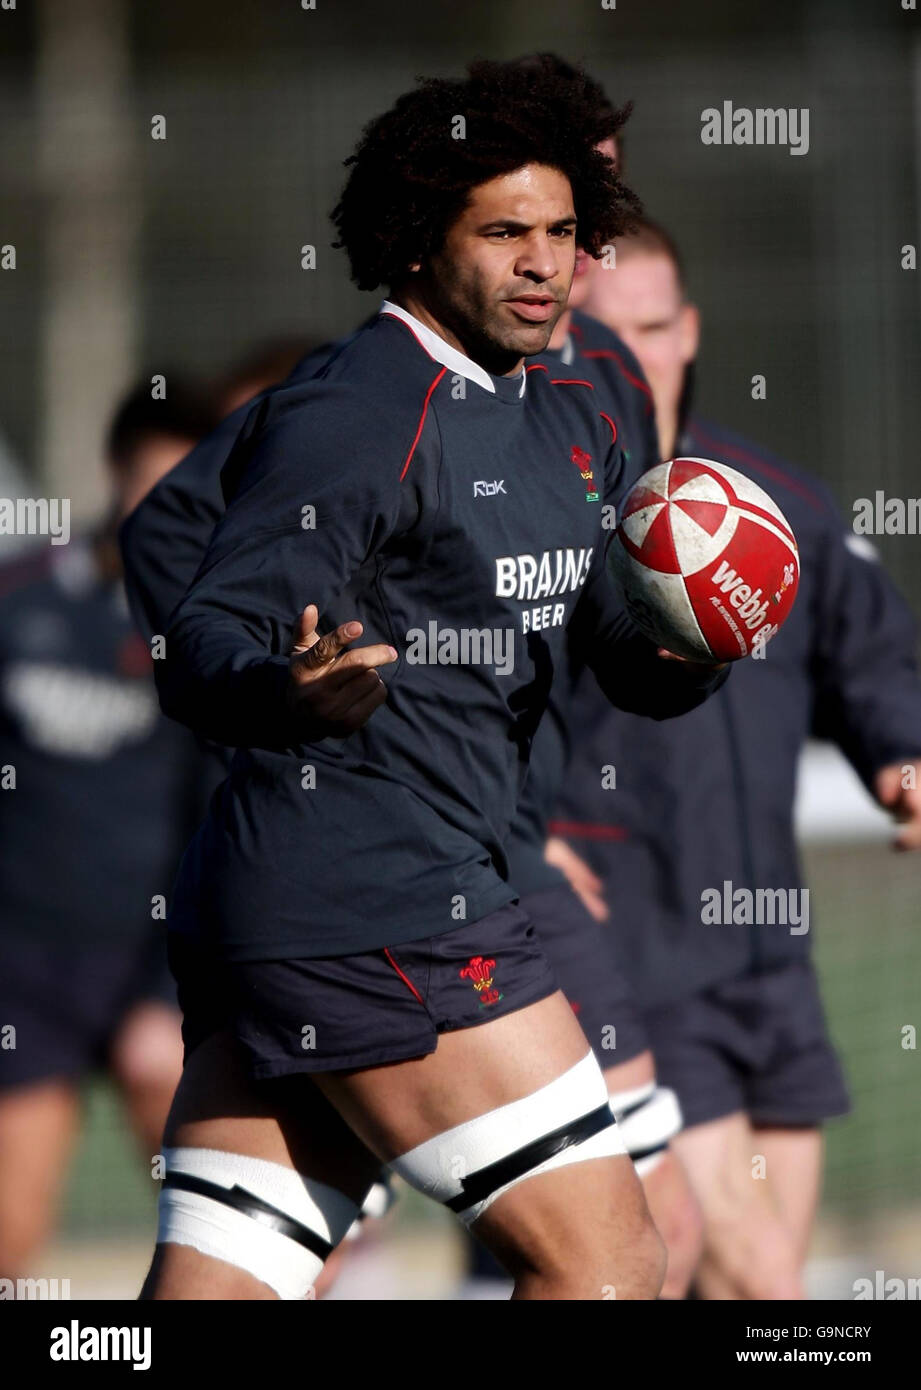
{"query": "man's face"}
pixel 501 280
pixel 641 300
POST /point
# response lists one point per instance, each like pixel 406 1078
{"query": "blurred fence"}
pixel 184 250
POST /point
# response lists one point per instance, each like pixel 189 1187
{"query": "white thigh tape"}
pixel 442 1167
pixel 648 1116
pixel 250 1239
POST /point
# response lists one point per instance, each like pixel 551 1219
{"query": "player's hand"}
pixel 333 691
pixel 903 802
pixel 584 883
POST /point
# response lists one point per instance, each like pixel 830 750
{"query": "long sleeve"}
pixel 316 499
pixel 867 691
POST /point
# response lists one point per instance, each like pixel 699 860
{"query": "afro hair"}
pixel 415 166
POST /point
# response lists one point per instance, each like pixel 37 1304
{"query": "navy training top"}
pixel 374 491
pixel 165 538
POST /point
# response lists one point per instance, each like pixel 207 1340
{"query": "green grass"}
pixel 868 948
pixel 110 1190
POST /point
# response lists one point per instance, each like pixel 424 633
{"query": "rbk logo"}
pixel 583 462
pixel 489 489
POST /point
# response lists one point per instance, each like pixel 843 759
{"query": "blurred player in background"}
pixel 732 1007
pixel 266 365
pixel 98 791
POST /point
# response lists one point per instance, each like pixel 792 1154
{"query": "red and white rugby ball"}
pixel 707 561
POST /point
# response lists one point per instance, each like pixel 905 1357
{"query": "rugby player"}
pixel 336 1014
pixel 103 802
pixel 164 542
pixel 733 1011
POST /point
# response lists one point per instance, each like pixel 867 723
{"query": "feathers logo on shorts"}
pixel 479 972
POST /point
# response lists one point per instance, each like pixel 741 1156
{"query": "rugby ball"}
pixel 706 560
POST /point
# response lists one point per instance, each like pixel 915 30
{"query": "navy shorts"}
pixel 362 1010
pixel 757 1044
pixel 67 1001
pixel 583 955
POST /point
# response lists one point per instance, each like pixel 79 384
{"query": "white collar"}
pixel 568 351
pixel 444 353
